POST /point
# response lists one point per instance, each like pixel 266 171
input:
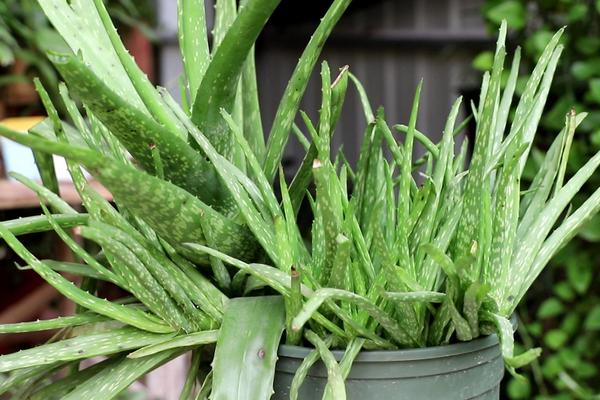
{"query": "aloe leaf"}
pixel 90 136
pixel 322 295
pixel 253 129
pixel 338 95
pixel 80 26
pixel 570 126
pixel 22 377
pixel 166 274
pixel 191 340
pixel 108 382
pixel 420 297
pixel 191 377
pixel 534 200
pixel 59 388
pixel 80 251
pixel 505 102
pixel 530 91
pixel 51 197
pixel 305 367
pixel 504 225
pixel 142 284
pixel 138 132
pixel 463 330
pixel 425 225
pixel 294 91
pixel 273 277
pixel 84 346
pixel 335 380
pixel 246 351
pixel 220 82
pixel 128 316
pixel 193 42
pixel 474 297
pixel 140 81
pixel 225 13
pixel 55 323
pixel 39 223
pixel 530 245
pixel 77 269
pixel 557 239
pixel 341 263
pixel 171 211
pixel 364 99
pixel 266 191
pixel 205 389
pixel 476 181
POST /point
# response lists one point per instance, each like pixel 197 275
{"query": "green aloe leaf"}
pixel 193 42
pixel 335 380
pixel 80 26
pixel 129 316
pixel 56 323
pixel 171 211
pixel 246 352
pixel 39 223
pixel 84 346
pixel 111 380
pixel 185 341
pixel 477 183
pixel 138 132
pixel 220 82
pixel 288 107
pixel 320 296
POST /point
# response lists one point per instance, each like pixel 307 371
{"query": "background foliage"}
pixel 562 313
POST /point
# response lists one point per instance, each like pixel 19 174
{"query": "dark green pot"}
pixel 470 370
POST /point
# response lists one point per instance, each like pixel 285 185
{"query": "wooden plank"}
pixel 14 195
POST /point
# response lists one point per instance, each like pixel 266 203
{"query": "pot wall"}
pixel 471 370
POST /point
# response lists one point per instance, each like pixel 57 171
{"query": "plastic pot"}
pixel 470 370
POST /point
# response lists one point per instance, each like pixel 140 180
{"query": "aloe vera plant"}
pixel 198 232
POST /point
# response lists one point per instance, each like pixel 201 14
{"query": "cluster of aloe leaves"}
pixel 402 253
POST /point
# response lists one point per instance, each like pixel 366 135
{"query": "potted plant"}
pixel 210 255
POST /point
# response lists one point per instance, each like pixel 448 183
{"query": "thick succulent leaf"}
pixel 193 42
pixel 220 83
pixel 246 352
pixel 477 183
pixel 420 296
pixel 335 380
pixel 126 315
pixel 530 245
pixel 559 237
pixel 386 321
pixel 253 129
pixel 39 223
pixel 80 26
pixel 147 92
pixel 141 283
pixel 288 107
pixel 111 380
pixel 84 346
pixel 171 211
pixel 305 367
pixel 138 132
pixel 56 323
pixel 184 341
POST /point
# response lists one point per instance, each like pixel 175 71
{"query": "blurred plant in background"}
pixel 562 313
pixel 26 35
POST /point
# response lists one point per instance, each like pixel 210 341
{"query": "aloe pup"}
pixel 197 233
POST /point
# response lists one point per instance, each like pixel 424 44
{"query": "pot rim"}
pixel 425 353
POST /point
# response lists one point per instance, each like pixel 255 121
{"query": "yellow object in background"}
pixel 21 124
